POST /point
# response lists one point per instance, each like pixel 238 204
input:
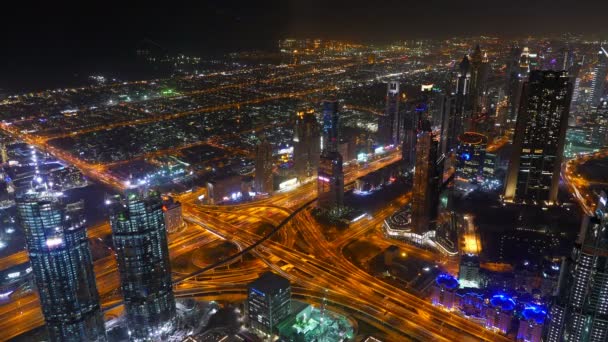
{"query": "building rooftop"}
pixel 270 282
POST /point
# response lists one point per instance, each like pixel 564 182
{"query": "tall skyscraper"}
pixel 580 311
pixel 306 144
pixel 540 132
pixel 3 153
pixel 263 167
pixel 268 302
pixel 62 265
pixel 140 240
pixel 389 123
pixel 515 77
pixel 598 82
pixel 331 132
pixel 451 129
pixel 424 192
pixel 479 69
pixel 330 182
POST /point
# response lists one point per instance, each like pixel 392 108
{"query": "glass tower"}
pixel 540 133
pixel 62 265
pixel 580 311
pixel 140 240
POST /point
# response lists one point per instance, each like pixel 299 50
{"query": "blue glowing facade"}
pixel 62 265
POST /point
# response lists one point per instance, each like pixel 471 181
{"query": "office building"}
pixel 471 156
pixel 540 133
pixel 389 124
pixel 3 153
pixel 479 69
pixel 580 310
pixel 331 126
pixel 306 144
pixel 330 182
pixel 598 81
pixel 62 265
pixel 425 192
pixel 140 241
pixel 468 271
pixel 268 302
pixel 263 167
pixel 172 210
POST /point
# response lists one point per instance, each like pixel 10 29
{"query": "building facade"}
pixel 62 265
pixel 306 145
pixel 540 132
pixel 140 241
pixel 471 156
pixel 263 167
pixel 580 311
pixel 268 302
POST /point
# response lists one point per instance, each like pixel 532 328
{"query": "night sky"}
pixel 46 39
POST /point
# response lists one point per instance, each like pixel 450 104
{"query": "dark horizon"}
pixel 49 42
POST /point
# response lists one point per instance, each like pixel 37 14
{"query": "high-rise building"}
pixel 62 265
pixel 330 182
pixel 580 310
pixel 173 215
pixel 451 128
pixel 540 133
pixel 3 153
pixel 515 78
pixel 268 302
pixel 479 69
pixel 471 155
pixel 331 131
pixel 425 190
pixel 389 123
pixel 598 82
pixel 306 144
pixel 263 167
pixel 140 240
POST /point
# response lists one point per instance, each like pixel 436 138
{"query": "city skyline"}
pixel 305 172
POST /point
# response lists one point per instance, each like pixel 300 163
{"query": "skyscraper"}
pixel 598 82
pixel 389 123
pixel 268 302
pixel 515 78
pixel 62 265
pixel 424 192
pixel 3 153
pixel 540 132
pixel 479 69
pixel 580 311
pixel 263 167
pixel 331 132
pixel 140 240
pixel 307 144
pixel 330 182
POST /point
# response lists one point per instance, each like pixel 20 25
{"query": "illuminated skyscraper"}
pixel 425 192
pixel 515 78
pixel 330 182
pixel 580 311
pixel 479 69
pixel 62 265
pixel 3 153
pixel 331 132
pixel 389 123
pixel 538 145
pixel 263 167
pixel 140 240
pixel 306 144
pixel 598 82
pixel 268 302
